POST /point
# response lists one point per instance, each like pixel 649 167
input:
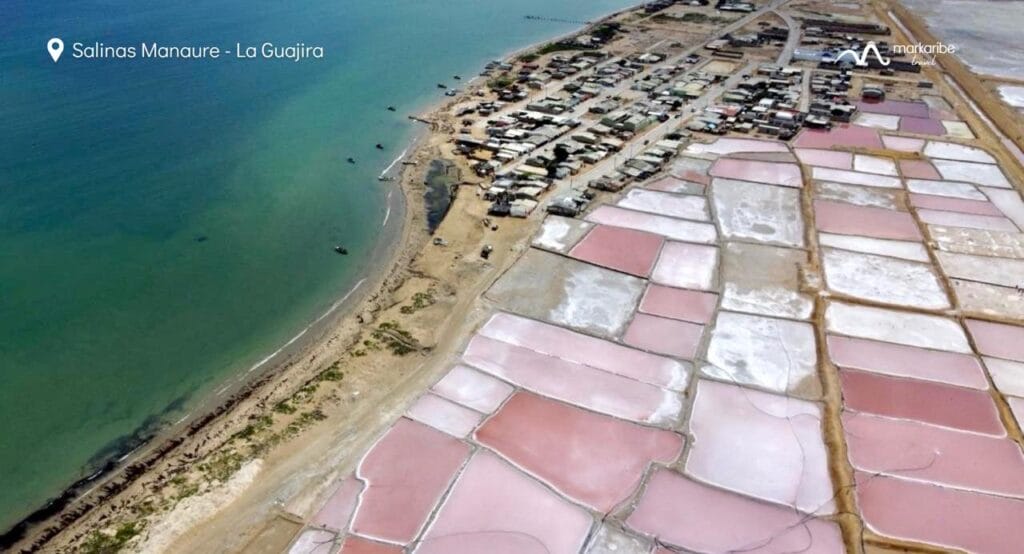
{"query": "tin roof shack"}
pixel 773 34
pixel 873 92
pixel 735 6
pixel 808 55
pixel 657 6
pixel 633 119
pixel 513 196
pixel 692 86
pixel 552 105
pixel 717 44
pixel 609 183
pixel 570 205
pixel 840 26
pixel 604 106
pixel 657 79
pixel 747 40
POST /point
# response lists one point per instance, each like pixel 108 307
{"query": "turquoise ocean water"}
pixel 164 225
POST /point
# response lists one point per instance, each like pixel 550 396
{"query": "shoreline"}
pixel 214 414
pixel 149 445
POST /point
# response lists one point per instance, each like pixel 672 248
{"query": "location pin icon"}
pixel 55 47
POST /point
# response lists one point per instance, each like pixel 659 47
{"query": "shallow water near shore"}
pixel 165 225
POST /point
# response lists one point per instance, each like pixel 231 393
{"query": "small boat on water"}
pixel 457 78
pixel 391 108
pixel 341 250
pixel 351 160
pixel 380 146
pixel 439 85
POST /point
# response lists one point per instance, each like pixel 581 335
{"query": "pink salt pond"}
pixel 496 509
pixel 670 183
pixel 948 204
pixel 880 223
pixel 681 304
pixel 664 336
pixel 625 250
pixel 761 445
pixel 784 174
pixel 998 339
pixel 444 415
pixel 572 382
pixel 942 516
pixel 922 126
pixel 895 107
pixel 406 473
pixel 1017 407
pixel 594 459
pixel 337 511
pixel 583 349
pixel 921 452
pixel 907 361
pixel 924 401
pixel 970 221
pixel 314 541
pixel 670 227
pixel 473 389
pixel 918 169
pixel 903 144
pixel 687 265
pixel 845 135
pixel 359 545
pixel 700 518
pixel 825 158
pixel 734 145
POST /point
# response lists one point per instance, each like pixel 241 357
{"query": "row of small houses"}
pixel 648 163
pixel 510 137
pixel 667 82
pixel 769 104
pixel 517 191
pixel 606 70
pixel 830 96
pixel 604 76
pixel 522 132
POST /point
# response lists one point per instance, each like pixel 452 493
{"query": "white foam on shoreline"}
pixel 387 204
pixel 394 162
pixel 330 310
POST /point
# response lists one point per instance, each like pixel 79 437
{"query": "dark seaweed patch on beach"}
pixel 442 183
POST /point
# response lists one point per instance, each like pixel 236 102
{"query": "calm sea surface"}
pixel 165 225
